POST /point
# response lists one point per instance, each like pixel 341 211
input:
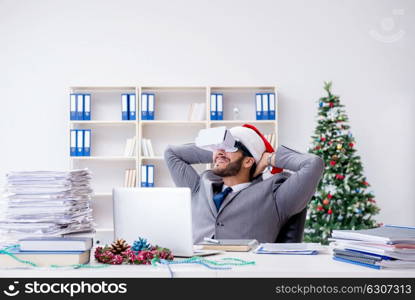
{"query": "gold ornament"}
pixel 339 146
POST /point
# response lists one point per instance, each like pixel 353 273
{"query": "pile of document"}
pixel 45 203
pixel 197 112
pixel 382 247
pixel 288 248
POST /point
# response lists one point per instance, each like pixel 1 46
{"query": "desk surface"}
pixel 267 265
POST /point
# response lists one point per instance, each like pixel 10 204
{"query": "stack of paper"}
pixel 130 147
pixel 383 247
pixel 147 147
pixel 288 248
pixel 45 203
pixel 130 178
pixel 197 112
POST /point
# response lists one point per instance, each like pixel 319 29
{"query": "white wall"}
pixel 47 46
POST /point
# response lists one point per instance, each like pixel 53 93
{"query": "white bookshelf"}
pixel 171 126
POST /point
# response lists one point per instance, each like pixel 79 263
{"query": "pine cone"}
pixel 119 246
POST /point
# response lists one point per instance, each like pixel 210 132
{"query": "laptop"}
pixel 161 215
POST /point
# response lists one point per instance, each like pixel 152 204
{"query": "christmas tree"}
pixel 342 199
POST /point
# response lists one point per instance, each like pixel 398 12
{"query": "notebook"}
pixel 230 245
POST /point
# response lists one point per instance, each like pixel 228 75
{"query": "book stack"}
pixel 80 142
pixel 130 147
pixel 382 247
pixel 45 203
pixel 44 252
pixel 265 106
pixel 80 107
pixel 147 148
pixel 128 110
pixel 197 112
pixel 130 178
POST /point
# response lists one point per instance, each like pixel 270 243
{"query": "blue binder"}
pixel 258 105
pixel 72 142
pixel 265 108
pixel 87 142
pixel 213 107
pixel 79 106
pixel 219 106
pixel 144 103
pixel 150 106
pixel 124 107
pixel 272 105
pixel 79 142
pixel 87 107
pixel 72 106
pixel 150 175
pixel 131 107
pixel 144 176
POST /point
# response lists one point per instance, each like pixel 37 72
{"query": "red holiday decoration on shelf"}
pixel 331 104
pixel 329 211
pixel 323 139
pixel 351 145
pixel 332 163
pixel 340 177
pixel 329 196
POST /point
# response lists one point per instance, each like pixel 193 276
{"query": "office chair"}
pixel 293 229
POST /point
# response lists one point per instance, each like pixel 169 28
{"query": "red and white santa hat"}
pixel 254 141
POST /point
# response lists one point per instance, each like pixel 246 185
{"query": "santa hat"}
pixel 254 141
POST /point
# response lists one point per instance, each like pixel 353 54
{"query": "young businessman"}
pixel 231 201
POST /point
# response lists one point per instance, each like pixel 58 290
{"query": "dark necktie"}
pixel 219 197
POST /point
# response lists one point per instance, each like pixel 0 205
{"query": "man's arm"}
pixel 179 160
pixel 293 194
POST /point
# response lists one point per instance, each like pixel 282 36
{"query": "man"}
pixel 231 201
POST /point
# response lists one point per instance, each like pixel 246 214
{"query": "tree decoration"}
pixel 145 255
pixel 343 184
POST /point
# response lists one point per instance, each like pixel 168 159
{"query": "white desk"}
pixel 307 266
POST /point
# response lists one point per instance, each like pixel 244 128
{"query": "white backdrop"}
pixel 365 47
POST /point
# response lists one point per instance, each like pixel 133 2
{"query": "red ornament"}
pixel 331 104
pixel 371 200
pixel 332 163
pixel 326 201
pixel 323 139
pixel 351 145
pixel 330 142
pixel 320 208
pixel 317 147
pixel 329 196
pixel 365 183
pixel 329 211
pixel 340 177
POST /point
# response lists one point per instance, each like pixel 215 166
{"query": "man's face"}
pixel 227 164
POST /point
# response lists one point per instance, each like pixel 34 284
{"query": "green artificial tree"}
pixel 342 199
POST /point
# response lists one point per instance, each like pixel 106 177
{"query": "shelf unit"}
pixel 171 126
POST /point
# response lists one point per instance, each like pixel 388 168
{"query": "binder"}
pixel 150 175
pixel 144 110
pixel 213 115
pixel 79 142
pixel 151 99
pixel 73 106
pixel 73 142
pixel 258 101
pixel 219 106
pixel 124 107
pixel 80 106
pixel 143 176
pixel 87 107
pixel 131 105
pixel 271 106
pixel 265 109
pixel 87 142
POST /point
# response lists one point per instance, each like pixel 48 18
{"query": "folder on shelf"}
pixel 219 106
pixel 80 106
pixel 73 142
pixel 73 106
pixel 87 107
pixel 213 110
pixel 79 142
pixel 150 106
pixel 124 107
pixel 150 175
pixel 143 175
pixel 265 108
pixel 258 102
pixel 271 106
pixel 144 110
pixel 134 178
pixel 87 142
pixel 131 106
